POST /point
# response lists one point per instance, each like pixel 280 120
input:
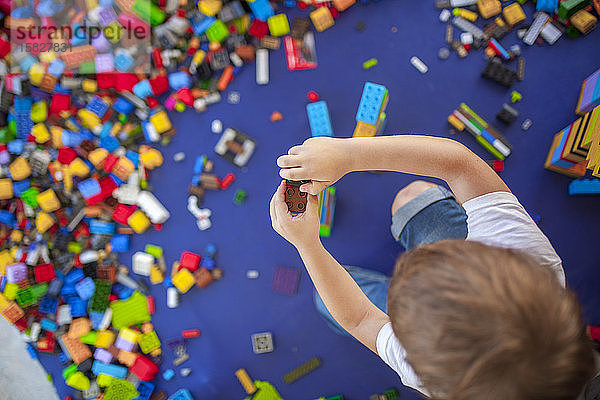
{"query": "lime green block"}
pixel 78 381
pixel 71 369
pixel 129 312
pixel 104 380
pixel 30 197
pixel 39 111
pixel 154 250
pixel 217 32
pixel 87 67
pixel 278 25
pixel 10 291
pixel 25 297
pixel 120 389
pixel 148 12
pixel 265 391
pixel 74 247
pixel 370 63
pixel 39 290
pixel 89 338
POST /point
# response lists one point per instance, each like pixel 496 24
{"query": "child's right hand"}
pixel 323 160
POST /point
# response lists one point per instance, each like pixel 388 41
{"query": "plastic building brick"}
pixel 294 198
pixel 235 147
pixel 342 5
pixel 266 391
pixel 190 333
pixel 240 196
pixel 168 374
pixel 130 312
pixel 569 7
pixel 261 9
pixel 203 277
pixel 583 21
pixel 499 73
pixel 513 14
pixel 489 8
pixel 79 327
pixel 85 288
pixel 278 25
pixel 286 280
pixel 181 394
pixel 326 201
pixel 245 381
pixel 262 66
pixel 262 342
pixel 373 100
pixel 217 32
pixel 189 260
pixel 318 118
pixel 507 114
pixel 321 18
pixel 183 280
pixel 584 186
pixel 302 370
pixel 120 389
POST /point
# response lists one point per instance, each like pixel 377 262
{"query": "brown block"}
pixel 294 198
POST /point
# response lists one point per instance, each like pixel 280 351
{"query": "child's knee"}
pixel 409 192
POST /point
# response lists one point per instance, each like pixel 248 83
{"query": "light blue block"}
pixel 168 374
pixel 318 118
pixel 370 103
pixel 261 9
pixel 584 186
pixel 182 394
pixel 113 370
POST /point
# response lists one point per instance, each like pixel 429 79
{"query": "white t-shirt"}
pixel 495 219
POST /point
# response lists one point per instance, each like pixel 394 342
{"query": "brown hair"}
pixel 480 322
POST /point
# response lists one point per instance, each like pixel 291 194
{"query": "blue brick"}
pixel 123 106
pixel 20 186
pixel 7 218
pixel 78 307
pixel 97 106
pixel 56 68
pixel 32 352
pixel 318 119
pixel 168 374
pixel 48 325
pixel 96 318
pixel 73 277
pixel 584 186
pixel 85 288
pixel 261 9
pixel 370 104
pixel 110 143
pixel 54 287
pixel 89 188
pixel 145 389
pixel 48 304
pixel 98 227
pixel 113 370
pixel 182 394
pixel 119 243
pixel 133 157
pixel 201 25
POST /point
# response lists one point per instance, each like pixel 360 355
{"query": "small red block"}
pixel 190 333
pixel 312 96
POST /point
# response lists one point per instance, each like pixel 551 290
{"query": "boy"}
pixel 483 318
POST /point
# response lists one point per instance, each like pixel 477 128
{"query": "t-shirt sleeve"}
pixel 393 354
pixel 498 219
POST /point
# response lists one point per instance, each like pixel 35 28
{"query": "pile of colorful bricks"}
pixel 79 115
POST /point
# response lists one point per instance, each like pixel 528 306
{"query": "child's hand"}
pixel 301 230
pixel 323 160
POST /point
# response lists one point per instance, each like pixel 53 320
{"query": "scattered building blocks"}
pixel 318 119
pixel 584 187
pixel 370 117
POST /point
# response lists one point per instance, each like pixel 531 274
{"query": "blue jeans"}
pixel 432 216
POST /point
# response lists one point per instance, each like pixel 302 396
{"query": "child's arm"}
pixel 325 160
pixel 341 295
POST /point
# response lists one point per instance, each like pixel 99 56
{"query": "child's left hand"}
pixel 301 230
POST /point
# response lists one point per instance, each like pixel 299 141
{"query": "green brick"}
pixel 154 250
pixel 89 338
pixel 99 300
pixel 217 32
pixel 569 7
pixel 129 312
pixel 25 297
pixel 30 197
pixel 120 389
pixel 148 342
pixel 39 290
pixel 69 370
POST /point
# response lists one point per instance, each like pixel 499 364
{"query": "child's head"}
pixel 479 322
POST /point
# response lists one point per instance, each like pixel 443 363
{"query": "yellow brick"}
pixel 156 275
pixel 56 132
pixel 321 18
pixel 19 169
pixel 183 280
pixel 88 118
pixel 47 57
pixel 16 236
pixel 40 132
pixel 10 291
pixel 105 339
pixel 36 73
pixel 43 222
pixel 4 302
pixel 123 168
pixel 6 259
pixel 513 14
pixel 138 221
pixel 48 201
pixel 499 21
pixel 6 189
pixel 489 8
pixel 210 7
pixel 39 111
pixel 151 159
pixel 161 122
pixel 364 130
pixel 104 380
pixel 89 85
pixel 79 168
pixel 97 156
pixel 129 335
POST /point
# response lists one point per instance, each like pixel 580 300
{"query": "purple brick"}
pixel 105 63
pixel 103 355
pixel 106 16
pixel 101 44
pixel 123 344
pixel 286 280
pixel 16 273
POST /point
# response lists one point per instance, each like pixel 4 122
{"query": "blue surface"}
pixel 230 310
